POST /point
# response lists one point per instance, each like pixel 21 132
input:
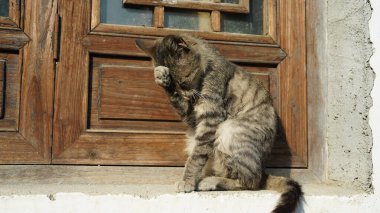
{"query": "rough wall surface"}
pixel 350 80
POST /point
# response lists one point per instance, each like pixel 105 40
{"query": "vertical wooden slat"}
pixel 70 102
pixel 14 11
pixel 159 17
pixel 215 21
pixel 95 13
pixel 2 73
pixel 245 4
pixel 292 72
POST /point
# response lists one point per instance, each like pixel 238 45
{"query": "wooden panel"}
pixel 236 52
pixel 130 93
pixel 10 90
pixel 242 7
pixel 292 75
pixel 33 92
pixel 112 29
pixel 119 125
pixel 126 149
pixel 159 17
pixel 2 73
pixel 12 39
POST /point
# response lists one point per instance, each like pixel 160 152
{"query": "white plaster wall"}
pixel 237 202
pixel 374 115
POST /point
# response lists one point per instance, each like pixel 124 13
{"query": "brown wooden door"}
pixel 26 80
pixel 108 109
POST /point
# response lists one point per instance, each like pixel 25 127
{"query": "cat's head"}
pixel 180 53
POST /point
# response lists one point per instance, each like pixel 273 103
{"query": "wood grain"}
pixel 37 86
pixel 15 8
pixel 215 21
pixel 95 13
pixel 12 39
pixel 2 75
pixel 85 135
pixel 130 93
pixel 123 30
pixel 225 7
pixel 237 52
pixel 292 75
pixel 11 89
pixel 123 126
pixel 70 102
pixel 14 19
pixel 158 17
pixel 31 143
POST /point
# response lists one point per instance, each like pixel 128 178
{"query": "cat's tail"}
pixel 291 192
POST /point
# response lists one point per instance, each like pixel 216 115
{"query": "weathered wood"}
pixel 123 30
pixel 87 134
pixel 243 7
pixel 270 18
pixel 292 76
pixel 128 92
pixel 12 39
pixel 215 21
pixel 237 52
pixel 95 13
pixel 2 74
pixel 37 86
pixel 15 11
pixel 27 135
pixel 71 89
pixel 13 21
pixel 125 149
pixel 158 17
pixel 11 88
pixel 119 125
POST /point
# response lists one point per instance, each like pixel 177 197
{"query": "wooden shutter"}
pixel 26 80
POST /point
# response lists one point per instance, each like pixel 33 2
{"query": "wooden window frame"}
pixel 242 7
pixel 20 150
pixel 284 47
pixel 14 19
pixel 269 36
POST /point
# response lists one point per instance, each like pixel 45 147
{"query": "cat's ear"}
pixel 184 44
pixel 147 46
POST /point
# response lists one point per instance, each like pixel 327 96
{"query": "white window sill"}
pixel 62 189
pixel 138 181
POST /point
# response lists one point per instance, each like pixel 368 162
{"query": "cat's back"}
pixel 246 93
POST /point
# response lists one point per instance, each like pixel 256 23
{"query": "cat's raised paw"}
pixel 182 186
pixel 161 76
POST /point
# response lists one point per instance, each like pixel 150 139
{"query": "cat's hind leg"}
pixel 214 183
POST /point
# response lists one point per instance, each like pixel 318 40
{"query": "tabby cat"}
pixel 231 119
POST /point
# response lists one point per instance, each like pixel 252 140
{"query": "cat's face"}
pixel 180 56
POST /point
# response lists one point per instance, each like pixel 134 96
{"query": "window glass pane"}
pixel 230 1
pixel 186 19
pixel 4 8
pixel 251 23
pixel 113 12
pixel 215 1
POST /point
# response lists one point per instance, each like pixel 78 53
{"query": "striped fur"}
pixel 231 119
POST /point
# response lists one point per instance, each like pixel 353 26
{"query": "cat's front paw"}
pixel 161 76
pixel 183 186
